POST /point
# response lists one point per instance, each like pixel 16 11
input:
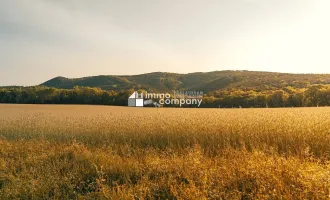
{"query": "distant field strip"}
pixel 103 152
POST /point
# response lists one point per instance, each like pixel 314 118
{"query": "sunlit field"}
pixel 100 152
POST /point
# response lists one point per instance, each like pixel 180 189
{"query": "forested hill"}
pixel 208 82
pixel 221 89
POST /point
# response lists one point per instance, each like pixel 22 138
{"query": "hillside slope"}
pixel 208 81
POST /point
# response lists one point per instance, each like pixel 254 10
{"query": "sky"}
pixel 43 39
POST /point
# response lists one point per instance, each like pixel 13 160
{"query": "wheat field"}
pixel 103 152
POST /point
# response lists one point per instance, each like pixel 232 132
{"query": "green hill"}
pixel 208 81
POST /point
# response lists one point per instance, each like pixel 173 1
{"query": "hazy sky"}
pixel 42 39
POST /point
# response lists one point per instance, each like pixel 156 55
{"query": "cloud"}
pixel 66 23
pixel 83 37
pixel 50 38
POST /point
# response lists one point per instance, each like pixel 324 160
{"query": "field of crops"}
pixel 100 152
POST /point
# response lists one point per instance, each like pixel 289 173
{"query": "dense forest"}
pixel 313 95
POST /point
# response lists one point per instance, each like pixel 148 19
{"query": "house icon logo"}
pixel 135 100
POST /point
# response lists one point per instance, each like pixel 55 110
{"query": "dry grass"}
pixel 97 152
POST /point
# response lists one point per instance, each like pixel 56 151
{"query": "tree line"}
pixel 311 96
pixel 49 95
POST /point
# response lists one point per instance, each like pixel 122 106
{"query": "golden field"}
pixel 102 152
